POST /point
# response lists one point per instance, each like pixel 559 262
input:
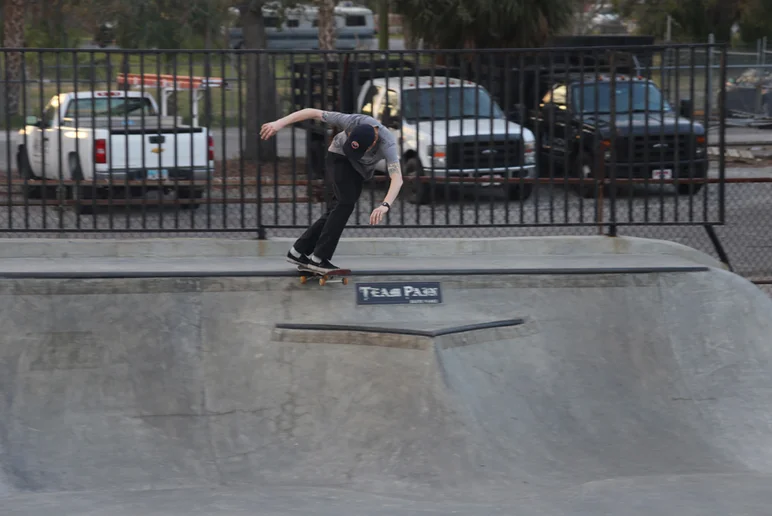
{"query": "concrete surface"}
pixel 377 257
pixel 360 267
pixel 371 266
pixel 565 247
pixel 635 394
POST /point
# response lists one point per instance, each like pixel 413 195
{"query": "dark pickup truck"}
pixel 641 136
pixel 592 123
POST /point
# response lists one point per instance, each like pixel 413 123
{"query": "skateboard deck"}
pixel 324 278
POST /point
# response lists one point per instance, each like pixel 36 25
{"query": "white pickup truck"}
pixel 450 128
pixel 114 137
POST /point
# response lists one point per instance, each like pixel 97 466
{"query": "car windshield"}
pixel 444 103
pixel 629 97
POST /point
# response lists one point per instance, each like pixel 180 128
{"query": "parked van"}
pixel 355 28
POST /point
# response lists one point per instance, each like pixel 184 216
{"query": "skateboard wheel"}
pixel 322 281
pixel 345 281
pixel 303 279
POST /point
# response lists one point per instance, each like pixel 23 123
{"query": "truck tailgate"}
pixel 136 149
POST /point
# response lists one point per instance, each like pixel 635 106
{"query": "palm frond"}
pixel 485 23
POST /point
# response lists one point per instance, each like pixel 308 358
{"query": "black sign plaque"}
pixel 399 293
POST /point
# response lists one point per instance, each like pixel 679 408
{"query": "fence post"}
pixel 666 58
pixel 722 139
pixel 758 52
pixel 711 42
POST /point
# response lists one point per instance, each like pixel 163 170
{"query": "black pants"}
pixel 345 184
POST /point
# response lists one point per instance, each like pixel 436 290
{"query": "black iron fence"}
pixel 493 142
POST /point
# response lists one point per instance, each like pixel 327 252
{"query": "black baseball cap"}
pixel 358 141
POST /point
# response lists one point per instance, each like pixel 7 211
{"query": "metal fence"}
pixel 747 80
pixel 164 143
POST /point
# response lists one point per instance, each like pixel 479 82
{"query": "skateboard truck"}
pixel 324 278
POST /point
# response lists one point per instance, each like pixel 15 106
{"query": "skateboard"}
pixel 324 278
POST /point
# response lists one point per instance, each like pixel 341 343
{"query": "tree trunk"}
pixel 326 25
pixel 13 37
pixel 262 102
pixel 411 41
pixel 208 115
pixel 383 24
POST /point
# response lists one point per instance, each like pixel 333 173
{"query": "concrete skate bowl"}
pixel 634 394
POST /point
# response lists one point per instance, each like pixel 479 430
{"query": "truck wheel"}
pixel 585 168
pixel 518 192
pixel 690 188
pixel 418 192
pixel 185 192
pixel 25 172
pixel 84 193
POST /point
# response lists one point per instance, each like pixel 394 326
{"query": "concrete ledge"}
pixel 381 247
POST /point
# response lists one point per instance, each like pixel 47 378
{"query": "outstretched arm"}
pixel 271 128
pixel 395 176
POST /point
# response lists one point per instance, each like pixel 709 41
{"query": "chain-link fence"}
pixel 747 82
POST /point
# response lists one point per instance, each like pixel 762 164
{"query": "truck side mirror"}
pixel 685 109
pixel 32 120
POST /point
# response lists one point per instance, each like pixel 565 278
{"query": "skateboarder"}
pixel 351 160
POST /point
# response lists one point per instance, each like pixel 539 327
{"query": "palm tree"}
pixel 13 37
pixel 261 105
pixel 755 20
pixel 695 19
pixel 326 19
pixel 486 23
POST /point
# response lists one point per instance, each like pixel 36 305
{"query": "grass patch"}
pixel 47 75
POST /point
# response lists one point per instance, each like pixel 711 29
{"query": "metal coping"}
pixel 401 331
pixel 382 272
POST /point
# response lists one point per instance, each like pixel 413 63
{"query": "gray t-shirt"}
pixel 385 148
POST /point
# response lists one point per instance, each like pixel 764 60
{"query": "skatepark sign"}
pixel 399 293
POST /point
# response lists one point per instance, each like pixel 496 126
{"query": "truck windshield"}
pixel 116 106
pixel 446 103
pixel 629 97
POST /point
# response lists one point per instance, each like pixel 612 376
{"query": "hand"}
pixel 269 129
pixel 377 215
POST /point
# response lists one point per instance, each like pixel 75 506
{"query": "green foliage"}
pixel 53 23
pixel 693 20
pixel 756 20
pixel 486 23
pixel 38 36
pixel 166 24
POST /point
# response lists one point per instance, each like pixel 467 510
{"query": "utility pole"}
pixel 383 24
